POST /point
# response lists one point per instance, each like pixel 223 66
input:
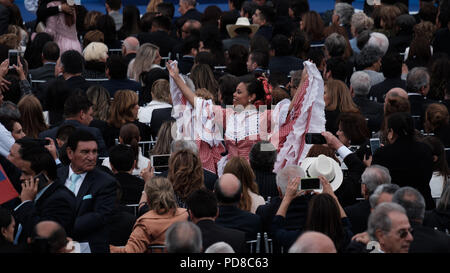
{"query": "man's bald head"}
pixel 228 189
pixel 189 26
pixel 53 233
pixel 46 228
pixel 396 92
pixel 130 45
pixel 313 242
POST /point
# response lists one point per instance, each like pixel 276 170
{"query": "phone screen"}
pixel 12 55
pixel 374 144
pixel 310 184
pixel 315 138
pixel 160 162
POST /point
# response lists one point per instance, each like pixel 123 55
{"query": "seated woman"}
pixel 12 125
pixel 440 217
pixel 31 116
pixel 353 131
pixel 160 93
pixel 147 58
pixel 250 199
pixel 441 171
pixel 185 174
pixel 95 55
pixel 164 139
pixel 437 122
pixel 410 162
pixel 124 109
pixel 262 158
pixel 129 135
pixel 150 228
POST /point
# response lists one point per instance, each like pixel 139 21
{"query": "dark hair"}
pixel 33 151
pixel 280 44
pixel 267 13
pixel 131 22
pixel 8 122
pixel 324 216
pixel 117 66
pixel 77 136
pixel 147 20
pixel 162 22
pixel 227 199
pixel 260 58
pixel 259 43
pixel 210 37
pixel 64 132
pixel 238 55
pixel 51 244
pixel 75 103
pixel 50 51
pixel 299 7
pixel 391 65
pixel 227 87
pixel 114 4
pixel 205 57
pixel 5 220
pixel 256 87
pixel 105 24
pixel 202 203
pixel 211 15
pixel 130 135
pixel 33 52
pixel 316 55
pixel 402 124
pixel 438 150
pixel 121 158
pixel 428 12
pixel 57 93
pixel 262 156
pixel 166 9
pixel 189 43
pixel 354 126
pixel 72 61
pixel 237 4
pixel 337 67
pixel 363 38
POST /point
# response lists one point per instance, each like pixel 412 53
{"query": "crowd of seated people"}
pixel 138 133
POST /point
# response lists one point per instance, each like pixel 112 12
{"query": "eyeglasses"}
pixel 404 232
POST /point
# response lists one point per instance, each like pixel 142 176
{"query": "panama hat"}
pixel 323 166
pixel 241 22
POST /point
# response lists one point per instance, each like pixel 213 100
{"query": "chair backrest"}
pixel 268 243
pixel 146 146
pixel 157 249
pixel 254 246
pixel 134 207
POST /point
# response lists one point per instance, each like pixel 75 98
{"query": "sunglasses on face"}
pixel 404 232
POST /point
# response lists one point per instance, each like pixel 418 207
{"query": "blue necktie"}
pixel 74 178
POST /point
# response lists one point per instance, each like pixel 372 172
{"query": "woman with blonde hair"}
pixel 147 58
pixel 31 116
pixel 186 174
pixel 153 5
pixel 338 100
pixel 164 139
pixel 160 99
pixel 95 55
pixel 151 227
pixel 101 101
pixel 124 109
pixel 250 199
pixel 203 77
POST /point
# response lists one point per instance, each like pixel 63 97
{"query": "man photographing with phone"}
pixel 42 197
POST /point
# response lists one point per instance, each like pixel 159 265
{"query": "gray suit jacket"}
pixel 118 19
pixel 45 72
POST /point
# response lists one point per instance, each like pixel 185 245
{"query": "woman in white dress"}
pixel 441 171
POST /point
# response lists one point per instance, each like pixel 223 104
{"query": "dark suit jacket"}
pixel 243 40
pixel 233 217
pixel 159 38
pixel 267 184
pixel 410 163
pixel 57 204
pixel 428 240
pixel 4 19
pixel 120 226
pixel 97 134
pixel 159 116
pixel 111 133
pixel 439 219
pixel 419 105
pixel 113 85
pixel 185 64
pixel 266 32
pixel 213 233
pixel 132 187
pixel 358 214
pixel 78 82
pixel 379 90
pixel 371 110
pixel 94 208
pixel 45 72
pixel 285 64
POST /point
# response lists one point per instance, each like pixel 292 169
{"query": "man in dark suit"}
pixel 391 66
pixel 282 61
pixel 264 16
pixel 116 71
pixel 78 112
pixel 418 86
pixel 94 189
pixel 123 162
pixel 359 88
pixel 43 196
pixel 159 35
pixel 188 11
pixel 130 47
pixel 203 211
pixel 358 214
pixel 228 190
pixel 189 50
pixel 4 15
pixel 50 55
pixel 425 239
pixel 70 65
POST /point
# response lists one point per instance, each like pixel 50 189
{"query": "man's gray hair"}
pixel 383 188
pixel 368 56
pixel 379 218
pixel 360 82
pixel 417 78
pixel 296 77
pixel 178 145
pixel 373 176
pixel 9 109
pixel 287 173
pixel 345 12
pixel 412 201
pixel 130 47
pixel 219 247
pixel 335 44
pixel 184 237
pixel 361 22
pixel 379 40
